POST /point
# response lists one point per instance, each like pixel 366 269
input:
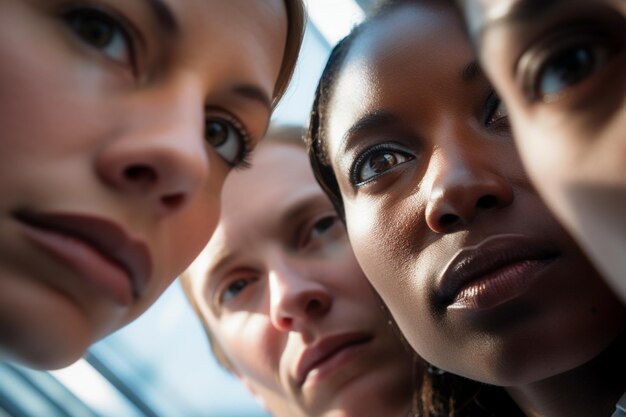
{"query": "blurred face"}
pixel 120 121
pixel 560 68
pixel 481 279
pixel 286 300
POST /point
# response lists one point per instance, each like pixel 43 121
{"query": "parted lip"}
pixel 494 253
pixel 314 355
pixel 106 237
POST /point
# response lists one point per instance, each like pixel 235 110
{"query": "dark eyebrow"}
pixel 164 16
pixel 254 93
pixel 471 71
pixel 370 121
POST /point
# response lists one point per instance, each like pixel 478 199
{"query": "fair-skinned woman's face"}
pixel 120 120
pixel 560 67
pixel 286 300
pixel 481 279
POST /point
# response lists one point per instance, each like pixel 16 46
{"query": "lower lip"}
pixel 500 286
pixel 85 260
pixel 333 364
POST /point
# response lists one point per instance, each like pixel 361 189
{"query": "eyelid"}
pixel 360 160
pixel 532 62
pixel 129 30
pixel 305 232
pixel 243 159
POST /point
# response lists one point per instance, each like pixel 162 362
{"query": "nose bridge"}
pixel 160 155
pixel 464 179
pixel 297 294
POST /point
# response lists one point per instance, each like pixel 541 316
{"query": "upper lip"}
pixel 317 353
pixel 491 254
pixel 108 238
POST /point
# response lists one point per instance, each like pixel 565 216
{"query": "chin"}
pixel 45 346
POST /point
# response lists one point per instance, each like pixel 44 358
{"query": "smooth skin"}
pixel 119 115
pixel 279 278
pixel 559 65
pixel 427 170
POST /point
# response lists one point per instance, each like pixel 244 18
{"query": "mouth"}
pixel 328 354
pixel 493 272
pixel 98 249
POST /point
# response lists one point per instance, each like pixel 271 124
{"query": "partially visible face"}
pixel 287 302
pixel 481 279
pixel 560 67
pixel 120 121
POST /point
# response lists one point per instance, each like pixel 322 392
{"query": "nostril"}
pixel 448 220
pixel 487 201
pixel 141 174
pixel 173 201
pixel 313 306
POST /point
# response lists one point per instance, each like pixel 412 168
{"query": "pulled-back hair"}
pixel 440 393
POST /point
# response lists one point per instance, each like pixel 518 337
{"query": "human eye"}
pixel 565 60
pixel 104 31
pixel 376 162
pixel 233 289
pixel 229 139
pixel 495 110
pixel 324 226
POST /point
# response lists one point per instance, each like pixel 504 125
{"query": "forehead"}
pixel 399 55
pixel 279 173
pixel 251 33
pixel 257 202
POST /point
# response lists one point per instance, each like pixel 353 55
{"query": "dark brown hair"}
pixel 440 393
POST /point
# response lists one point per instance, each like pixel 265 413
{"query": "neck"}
pixel 592 389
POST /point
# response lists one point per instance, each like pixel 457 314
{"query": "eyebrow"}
pixel 253 92
pixel 471 71
pixel 370 121
pixel 164 16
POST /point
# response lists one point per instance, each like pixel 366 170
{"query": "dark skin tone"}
pixel 559 66
pixel 428 173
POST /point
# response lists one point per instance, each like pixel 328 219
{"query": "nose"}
pixel 297 296
pixel 159 156
pixel 464 184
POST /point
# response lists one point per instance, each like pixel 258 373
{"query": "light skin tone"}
pixel 559 66
pixel 279 287
pixel 119 126
pixel 486 283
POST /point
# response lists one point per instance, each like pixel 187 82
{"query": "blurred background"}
pixel 161 365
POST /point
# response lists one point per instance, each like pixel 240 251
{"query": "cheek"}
pixel 254 347
pixel 383 237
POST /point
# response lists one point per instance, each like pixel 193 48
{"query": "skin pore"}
pixel 559 66
pixel 287 306
pixel 119 126
pixel 415 147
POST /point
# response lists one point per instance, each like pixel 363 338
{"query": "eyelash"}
pixel 536 61
pixel 96 11
pixel 492 103
pixel 360 161
pixel 311 230
pixel 243 159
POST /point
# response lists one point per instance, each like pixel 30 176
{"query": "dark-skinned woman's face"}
pixel 482 280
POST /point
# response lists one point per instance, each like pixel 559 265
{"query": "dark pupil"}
pixel 93 30
pixel 568 68
pixel 324 224
pixel 381 163
pixel 236 287
pixel 216 133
